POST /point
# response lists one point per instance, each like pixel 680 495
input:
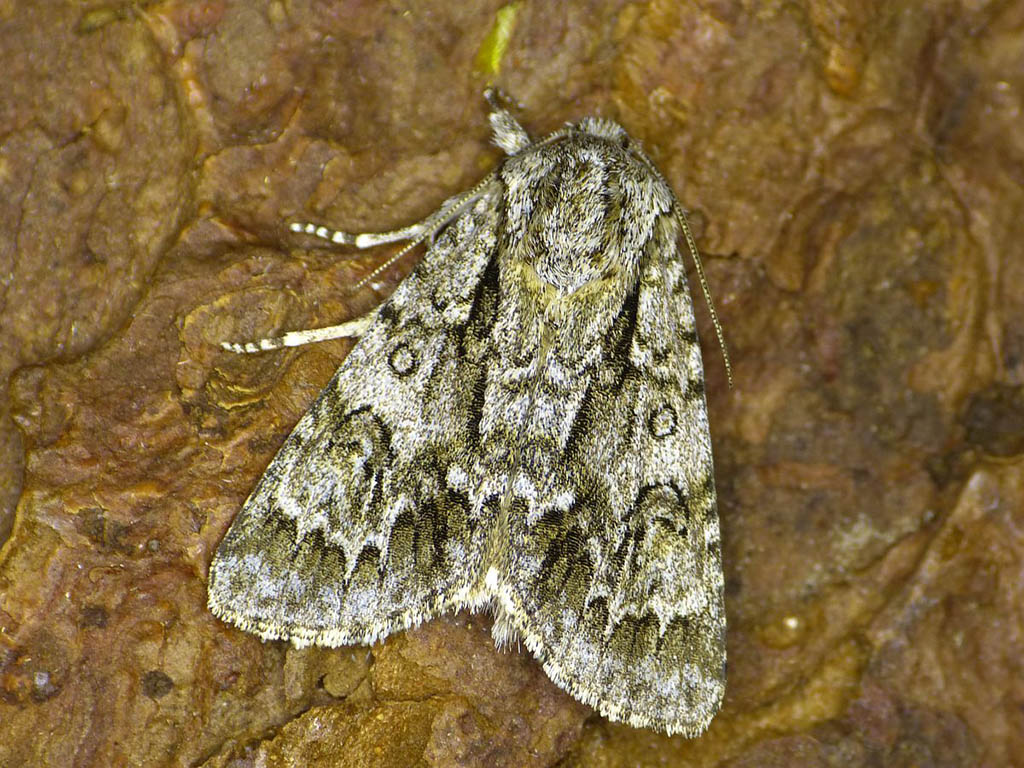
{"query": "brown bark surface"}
pixel 855 174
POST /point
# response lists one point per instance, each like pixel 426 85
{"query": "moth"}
pixel 522 426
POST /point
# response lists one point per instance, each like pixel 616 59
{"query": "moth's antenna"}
pixel 695 254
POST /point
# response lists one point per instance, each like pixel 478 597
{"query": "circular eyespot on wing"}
pixel 662 421
pixel 403 360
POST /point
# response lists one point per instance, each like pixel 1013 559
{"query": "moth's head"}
pixel 604 128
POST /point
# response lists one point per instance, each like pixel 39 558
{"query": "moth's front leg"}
pixel 297 338
pixel 415 234
pixel 358 327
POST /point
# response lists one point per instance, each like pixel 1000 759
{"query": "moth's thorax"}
pixel 575 215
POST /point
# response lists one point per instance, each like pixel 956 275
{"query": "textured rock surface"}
pixel 855 176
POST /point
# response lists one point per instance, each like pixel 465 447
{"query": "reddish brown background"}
pixel 855 174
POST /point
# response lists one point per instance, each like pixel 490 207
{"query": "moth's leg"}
pixel 508 134
pixel 362 240
pixel 298 338
pixel 417 232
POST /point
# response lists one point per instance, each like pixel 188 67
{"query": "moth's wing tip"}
pixel 689 721
pixel 694 698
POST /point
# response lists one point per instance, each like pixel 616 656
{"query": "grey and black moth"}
pixel 522 427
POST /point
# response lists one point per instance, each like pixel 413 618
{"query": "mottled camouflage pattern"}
pixel 522 426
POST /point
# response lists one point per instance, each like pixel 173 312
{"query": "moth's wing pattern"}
pixel 619 592
pixel 353 533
